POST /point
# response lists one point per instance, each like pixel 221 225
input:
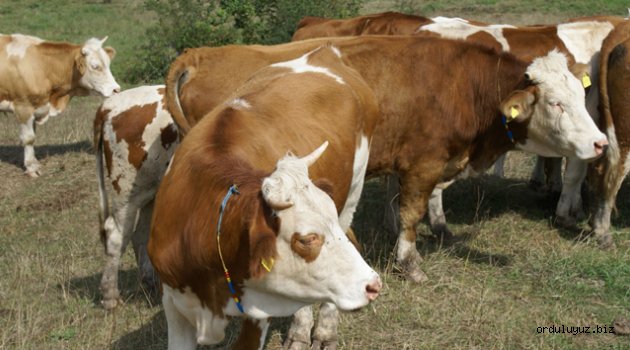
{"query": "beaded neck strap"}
pixel 233 190
pixel 505 122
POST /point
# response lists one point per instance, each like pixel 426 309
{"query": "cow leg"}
pixel 498 167
pixel 181 334
pixel 553 173
pixel 392 207
pixel 299 335
pixel 116 240
pixel 437 218
pixel 253 334
pixel 569 207
pixel 27 136
pixel 537 179
pixel 139 240
pixel 413 204
pixel 325 334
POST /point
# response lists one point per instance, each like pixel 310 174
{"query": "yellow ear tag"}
pixel 267 264
pixel 586 81
pixel 513 113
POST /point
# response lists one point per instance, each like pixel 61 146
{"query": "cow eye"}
pixel 96 67
pixel 557 106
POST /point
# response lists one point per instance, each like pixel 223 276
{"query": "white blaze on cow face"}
pixel 316 261
pixel 457 28
pixel 301 65
pixel 560 124
pixel 20 43
pixel 96 75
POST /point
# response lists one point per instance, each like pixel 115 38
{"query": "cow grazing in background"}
pixel 40 77
pixel 134 137
pixel 580 39
pixel 440 111
pixel 387 23
pixel 282 239
pixel 606 174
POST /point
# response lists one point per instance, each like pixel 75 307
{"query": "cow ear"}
pixel 110 52
pixel 519 106
pixel 581 71
pixel 262 240
pixel 325 185
pixel 80 63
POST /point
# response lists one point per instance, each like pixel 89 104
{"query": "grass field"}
pixel 510 273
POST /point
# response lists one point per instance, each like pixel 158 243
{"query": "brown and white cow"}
pixel 281 237
pixel 386 23
pixel 440 102
pixel 135 137
pixel 606 174
pixel 580 39
pixel 40 77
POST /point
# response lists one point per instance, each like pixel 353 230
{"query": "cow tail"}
pixel 103 212
pixel 177 76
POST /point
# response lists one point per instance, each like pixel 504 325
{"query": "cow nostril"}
pixel 601 146
pixel 116 90
pixel 372 289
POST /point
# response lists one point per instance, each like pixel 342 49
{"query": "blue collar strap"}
pixel 233 190
pixel 507 128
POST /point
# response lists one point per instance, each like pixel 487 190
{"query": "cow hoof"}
pixel 536 186
pixel 324 345
pixel 33 173
pixel 605 241
pixel 110 304
pixel 566 222
pixel 442 233
pixel 295 344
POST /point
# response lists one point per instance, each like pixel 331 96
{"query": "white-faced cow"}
pixel 580 39
pixel 441 108
pixel 277 243
pixel 135 138
pixel 39 78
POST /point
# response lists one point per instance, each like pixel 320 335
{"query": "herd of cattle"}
pixel 237 180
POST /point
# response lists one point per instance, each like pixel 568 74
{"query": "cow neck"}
pixel 497 134
pixel 233 190
pixel 60 56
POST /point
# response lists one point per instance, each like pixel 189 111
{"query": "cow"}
pixel 441 104
pixel 283 244
pixel 607 173
pixel 134 138
pixel 387 23
pixel 40 77
pixel 580 39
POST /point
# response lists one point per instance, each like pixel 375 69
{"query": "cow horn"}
pixel 314 156
pixel 279 205
pixel 103 40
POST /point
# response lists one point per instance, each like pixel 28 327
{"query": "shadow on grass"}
pixel 466 202
pixel 14 154
pixel 131 290
pixel 153 334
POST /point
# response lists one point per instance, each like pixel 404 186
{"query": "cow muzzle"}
pixel 601 146
pixel 373 288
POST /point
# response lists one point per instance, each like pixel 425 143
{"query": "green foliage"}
pixel 192 23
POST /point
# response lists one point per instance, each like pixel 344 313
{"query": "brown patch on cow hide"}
pixel 129 126
pixel 307 246
pixel 168 135
pixel 485 39
pixel 250 335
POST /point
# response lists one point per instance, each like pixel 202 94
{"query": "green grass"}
pixel 511 271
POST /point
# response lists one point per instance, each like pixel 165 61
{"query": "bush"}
pixel 192 23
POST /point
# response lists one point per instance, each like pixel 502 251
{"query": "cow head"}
pixel 311 259
pixel 93 66
pixel 553 108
